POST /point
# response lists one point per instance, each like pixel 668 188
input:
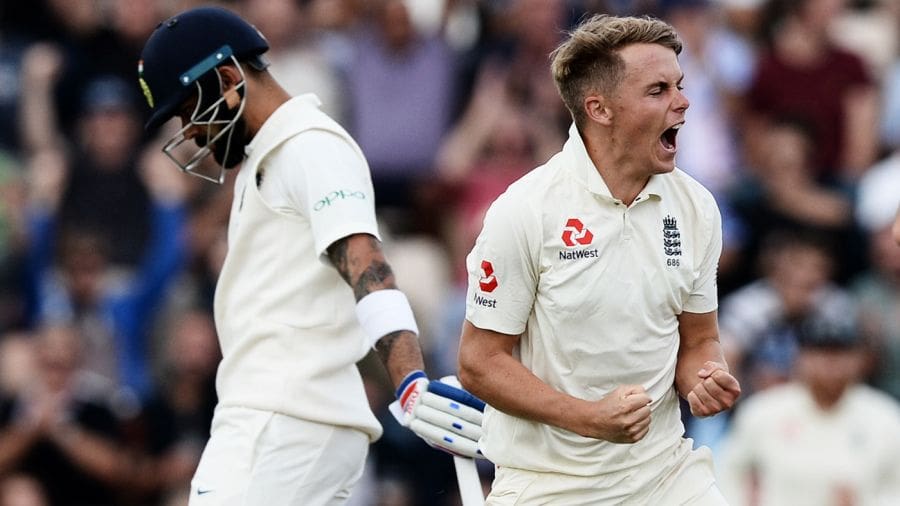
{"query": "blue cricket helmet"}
pixel 185 47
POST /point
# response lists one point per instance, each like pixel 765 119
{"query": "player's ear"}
pixel 231 77
pixel 598 109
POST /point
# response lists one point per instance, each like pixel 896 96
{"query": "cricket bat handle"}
pixel 469 482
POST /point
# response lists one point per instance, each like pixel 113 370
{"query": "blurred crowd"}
pixel 109 256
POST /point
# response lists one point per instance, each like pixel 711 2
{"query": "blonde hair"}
pixel 588 60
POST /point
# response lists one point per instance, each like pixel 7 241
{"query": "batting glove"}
pixel 446 417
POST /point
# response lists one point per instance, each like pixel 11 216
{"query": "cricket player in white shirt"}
pixel 823 438
pixel 592 293
pixel 305 290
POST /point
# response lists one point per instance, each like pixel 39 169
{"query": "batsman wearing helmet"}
pixel 305 290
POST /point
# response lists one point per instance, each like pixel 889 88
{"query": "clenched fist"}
pixel 622 416
pixel 717 391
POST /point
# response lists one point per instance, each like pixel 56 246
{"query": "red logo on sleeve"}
pixel 576 234
pixel 488 281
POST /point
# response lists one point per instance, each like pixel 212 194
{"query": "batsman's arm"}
pixel 360 261
pixel 488 369
pixel 443 415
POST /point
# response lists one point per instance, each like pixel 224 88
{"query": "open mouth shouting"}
pixel 667 139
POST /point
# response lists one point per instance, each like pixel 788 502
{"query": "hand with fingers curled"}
pixel 440 412
pixel 621 416
pixel 716 391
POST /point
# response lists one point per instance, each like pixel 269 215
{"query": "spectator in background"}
pixel 17 366
pixel 16 361
pixel 77 284
pixel 63 427
pixel 130 23
pixel 21 490
pixel 297 52
pixel 803 74
pixel 12 46
pixel 100 160
pixel 174 425
pixel 13 244
pixel 758 321
pixel 627 7
pixel 88 48
pixel 742 18
pixel 103 173
pixel 824 438
pixel 516 68
pixel 784 190
pixel 877 289
pixel 401 94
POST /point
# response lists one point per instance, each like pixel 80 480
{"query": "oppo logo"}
pixel 338 196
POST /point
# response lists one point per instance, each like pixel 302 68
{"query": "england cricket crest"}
pixel 671 237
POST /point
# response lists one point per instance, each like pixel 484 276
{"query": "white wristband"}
pixel 383 312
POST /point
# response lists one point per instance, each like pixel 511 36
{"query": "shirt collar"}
pixel 587 172
pixel 281 116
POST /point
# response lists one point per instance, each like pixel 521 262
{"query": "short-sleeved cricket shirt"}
pixel 594 287
pixel 286 320
pixel 802 454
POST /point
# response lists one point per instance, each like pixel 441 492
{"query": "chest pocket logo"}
pixel 671 241
pixel 575 233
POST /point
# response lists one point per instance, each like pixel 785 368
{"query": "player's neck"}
pixel 264 97
pixel 623 178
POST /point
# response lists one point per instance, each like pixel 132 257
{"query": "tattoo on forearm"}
pixel 337 253
pixel 378 275
pixel 364 275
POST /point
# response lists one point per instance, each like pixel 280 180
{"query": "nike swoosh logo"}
pixel 201 492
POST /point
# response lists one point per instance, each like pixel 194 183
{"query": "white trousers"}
pixel 687 481
pixel 260 458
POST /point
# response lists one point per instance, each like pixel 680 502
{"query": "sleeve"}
pixel 503 269
pixel 327 180
pixel 704 296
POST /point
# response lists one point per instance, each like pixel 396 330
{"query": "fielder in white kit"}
pixel 592 293
pixel 305 290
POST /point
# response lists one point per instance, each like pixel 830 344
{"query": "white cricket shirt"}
pixel 804 456
pixel 286 320
pixel 594 287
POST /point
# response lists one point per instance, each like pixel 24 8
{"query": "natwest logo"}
pixel 488 281
pixel 576 234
